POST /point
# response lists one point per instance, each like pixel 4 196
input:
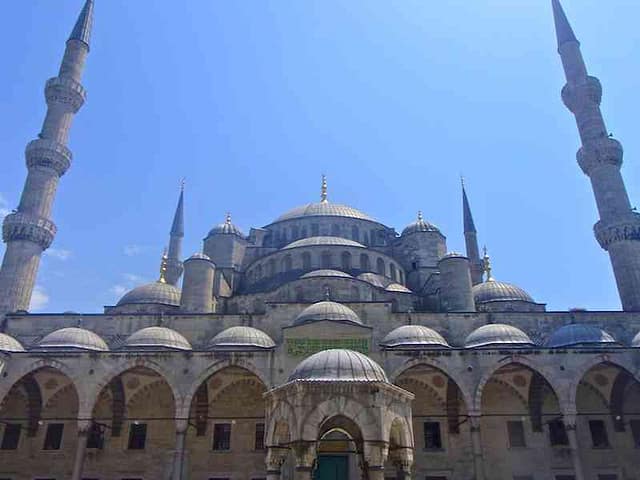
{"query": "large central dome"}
pixel 324 209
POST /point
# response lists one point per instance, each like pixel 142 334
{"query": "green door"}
pixel 332 467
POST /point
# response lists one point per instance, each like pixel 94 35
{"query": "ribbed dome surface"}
pixel 241 337
pixel 9 344
pixel 326 273
pixel 338 365
pixel 157 337
pixel 325 241
pixel 375 279
pixel 493 290
pixel 74 338
pixel 327 310
pixel 414 336
pixel 396 287
pixel 199 256
pixel 226 228
pixel 323 209
pixel 154 293
pixel 635 343
pixel 498 335
pixel 419 225
pixel 578 334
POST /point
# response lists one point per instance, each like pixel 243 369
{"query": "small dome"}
pixel 375 279
pixel 396 287
pixel 9 344
pixel 420 225
pixel 199 256
pixel 414 337
pixel 326 273
pixel 327 310
pixel 324 241
pixel 226 229
pixel 241 338
pixel 492 291
pixel 323 209
pixel 157 337
pixel 75 339
pixel 635 343
pixel 338 366
pixel 154 293
pixel 497 335
pixel 579 335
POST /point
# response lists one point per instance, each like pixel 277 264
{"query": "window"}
pixel 432 436
pixel 558 433
pixel 325 260
pixel 598 434
pixel 364 262
pixel 394 276
pixel 259 440
pixel 346 261
pixel 335 230
pixel 219 478
pixel 222 436
pixel 11 436
pixel 53 437
pixel 381 267
pixel 315 230
pixel 95 438
pixel 137 436
pixel 355 233
pixel 435 478
pixel 522 477
pixel 516 434
pixel 306 260
pixel 565 477
pixel 608 476
pixel 635 432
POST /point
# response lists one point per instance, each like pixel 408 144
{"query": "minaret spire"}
pixel 323 189
pixel 174 267
pixel 600 158
pixel 29 230
pixel 471 239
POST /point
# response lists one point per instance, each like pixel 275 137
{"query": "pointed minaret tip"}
pixel 177 227
pixel 469 225
pixel 323 190
pixel 564 32
pixel 84 24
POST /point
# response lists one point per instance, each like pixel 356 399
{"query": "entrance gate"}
pixel 332 467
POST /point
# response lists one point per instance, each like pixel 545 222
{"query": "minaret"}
pixel 600 158
pixel 29 231
pixel 471 240
pixel 174 262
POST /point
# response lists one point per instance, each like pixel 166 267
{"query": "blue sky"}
pixel 252 101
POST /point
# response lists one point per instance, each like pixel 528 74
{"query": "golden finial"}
pixel 228 219
pixel 323 190
pixel 163 266
pixel 486 265
pixel 420 218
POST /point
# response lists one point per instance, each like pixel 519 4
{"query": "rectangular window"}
pixel 558 433
pixel 137 436
pixel 432 436
pixel 522 477
pixel 11 436
pixel 435 478
pixel 259 440
pixel 598 434
pixel 516 433
pixel 95 437
pixel 565 477
pixel 635 432
pixel 53 437
pixel 222 436
pixel 608 476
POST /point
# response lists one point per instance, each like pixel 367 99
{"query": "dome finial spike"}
pixel 323 189
pixel 486 265
pixel 420 217
pixel 227 219
pixel 163 266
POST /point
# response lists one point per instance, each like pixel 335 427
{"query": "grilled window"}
pixel 137 436
pixel 558 433
pixel 599 436
pixel 432 436
pixel 53 437
pixel 259 439
pixel 516 433
pixel 11 436
pixel 95 437
pixel 222 436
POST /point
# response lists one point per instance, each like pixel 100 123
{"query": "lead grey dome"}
pixel 635 343
pixel 226 228
pixel 414 337
pixel 497 335
pixel 73 338
pixel 375 279
pixel 158 293
pixel 492 291
pixel 327 310
pixel 326 273
pixel 396 287
pixel 324 241
pixel 579 335
pixel 420 225
pixel 157 337
pixel 323 209
pixel 241 337
pixel 199 256
pixel 338 365
pixel 10 344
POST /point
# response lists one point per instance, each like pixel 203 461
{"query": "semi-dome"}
pixel 226 228
pixel 10 344
pixel 375 279
pixel 396 287
pixel 324 241
pixel 420 225
pixel 497 335
pixel 635 343
pixel 578 335
pixel 74 338
pixel 338 366
pixel 327 310
pixel 326 273
pixel 157 337
pixel 414 337
pixel 241 337
pixel 323 209
pixel 153 293
pixel 494 291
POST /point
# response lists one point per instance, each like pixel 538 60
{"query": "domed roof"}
pixel 199 256
pixel 414 336
pixel 226 228
pixel 396 287
pixel 323 209
pixel 498 335
pixel 330 241
pixel 578 334
pixel 154 293
pixel 157 337
pixel 635 343
pixel 375 279
pixel 326 273
pixel 492 291
pixel 338 365
pixel 327 310
pixel 420 225
pixel 9 344
pixel 74 338
pixel 241 337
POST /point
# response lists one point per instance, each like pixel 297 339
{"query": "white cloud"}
pixel 58 253
pixel 39 299
pixel 129 281
pixel 118 290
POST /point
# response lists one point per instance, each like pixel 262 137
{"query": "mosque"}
pixel 323 345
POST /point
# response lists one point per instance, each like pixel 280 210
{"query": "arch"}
pixel 392 269
pixel 346 261
pixel 400 434
pixel 306 261
pixel 271 268
pixel 365 263
pixel 282 424
pixel 287 263
pixel 616 404
pixel 295 232
pixel 338 406
pixel 336 231
pixel 325 259
pixel 202 409
pixel 258 271
pixel 355 233
pixel 381 267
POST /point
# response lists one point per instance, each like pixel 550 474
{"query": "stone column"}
pixel 375 456
pixel 403 461
pixel 179 453
pixel 276 456
pixel 570 426
pixel 81 449
pixel 305 453
pixel 476 444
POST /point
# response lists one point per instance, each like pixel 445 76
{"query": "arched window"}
pixel 355 294
pixel 306 261
pixel 287 264
pixel 303 232
pixel 401 277
pixel 295 233
pixel 380 267
pixel 335 230
pixel 355 233
pixel 366 239
pixel 315 229
pixel 326 260
pixel 271 268
pixel 365 265
pixel 394 276
pixel 346 261
pixel 299 294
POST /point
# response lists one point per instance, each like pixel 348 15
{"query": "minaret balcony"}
pixel 21 226
pixel 625 229
pixel 604 151
pixel 49 154
pixel 577 96
pixel 65 91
